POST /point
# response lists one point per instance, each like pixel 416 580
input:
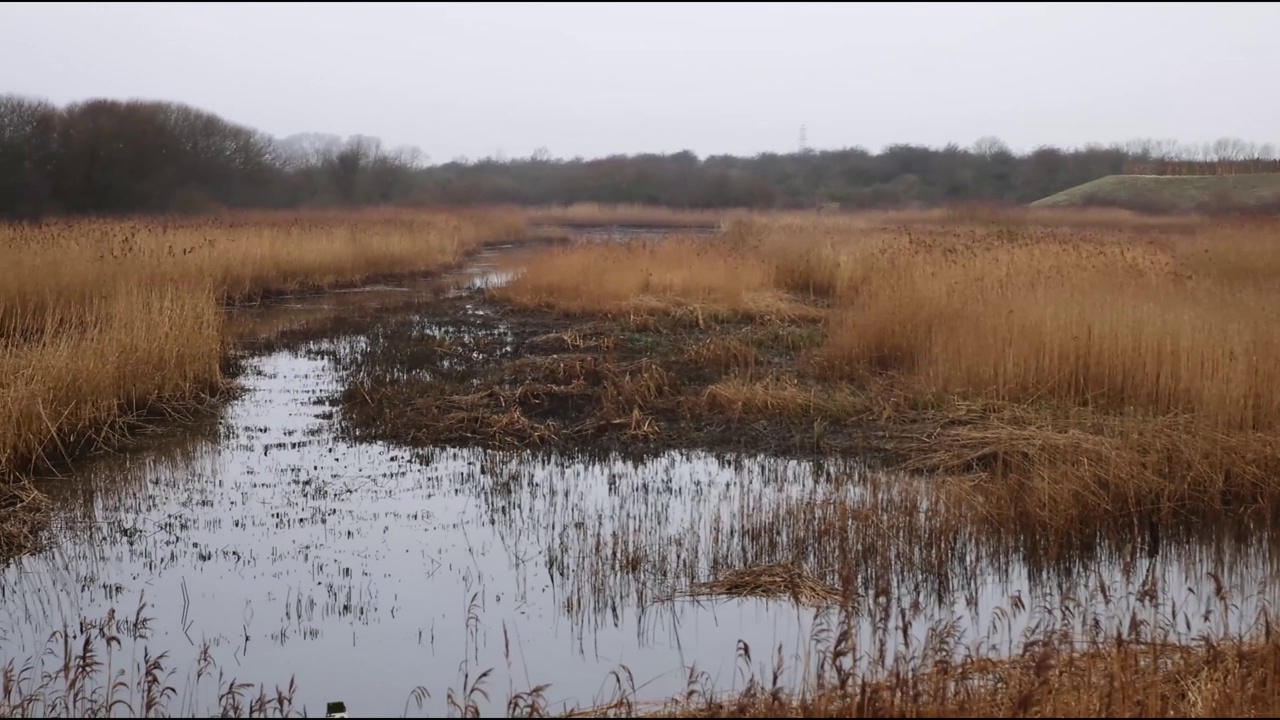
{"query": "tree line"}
pixel 114 157
pixel 1203 167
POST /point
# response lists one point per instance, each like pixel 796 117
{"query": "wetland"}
pixel 466 493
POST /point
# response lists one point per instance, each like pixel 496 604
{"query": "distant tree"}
pixel 990 147
pixel 28 156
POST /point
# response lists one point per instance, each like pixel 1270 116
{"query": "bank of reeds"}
pixel 1117 678
pixel 1115 361
pixel 676 273
pixel 105 322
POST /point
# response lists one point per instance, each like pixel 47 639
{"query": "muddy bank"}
pixel 465 370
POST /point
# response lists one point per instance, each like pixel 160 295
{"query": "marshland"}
pixel 639 362
pixel 980 461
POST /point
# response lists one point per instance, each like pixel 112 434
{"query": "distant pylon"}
pixel 804 138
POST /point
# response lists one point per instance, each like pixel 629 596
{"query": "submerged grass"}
pixel 1071 660
pixel 81 674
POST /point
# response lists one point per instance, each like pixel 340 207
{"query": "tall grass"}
pixel 1123 360
pixel 107 321
pixel 1173 319
pixel 675 271
pixel 1115 321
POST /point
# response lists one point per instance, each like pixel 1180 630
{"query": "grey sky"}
pixel 475 80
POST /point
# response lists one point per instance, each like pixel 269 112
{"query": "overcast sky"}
pixel 590 80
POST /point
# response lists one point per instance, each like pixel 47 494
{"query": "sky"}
pixel 497 80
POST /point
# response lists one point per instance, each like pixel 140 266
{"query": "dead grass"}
pixel 82 379
pixel 1122 679
pixel 26 513
pixel 1134 655
pixel 1112 360
pixel 107 322
pixel 677 274
pixel 1118 321
pixel 784 580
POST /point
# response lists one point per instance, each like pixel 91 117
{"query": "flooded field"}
pixel 268 542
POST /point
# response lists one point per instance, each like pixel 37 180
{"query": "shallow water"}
pixel 365 570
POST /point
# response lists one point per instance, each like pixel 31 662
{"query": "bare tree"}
pixel 989 146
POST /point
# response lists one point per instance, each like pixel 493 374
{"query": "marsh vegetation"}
pixel 913 463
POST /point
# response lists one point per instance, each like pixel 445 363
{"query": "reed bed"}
pixel 1115 360
pixel 107 325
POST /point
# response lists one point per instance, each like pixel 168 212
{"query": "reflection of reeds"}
pixel 1134 657
pixel 1071 661
pixel 905 562
pixel 882 538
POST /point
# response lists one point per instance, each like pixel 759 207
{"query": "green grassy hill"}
pixel 1173 194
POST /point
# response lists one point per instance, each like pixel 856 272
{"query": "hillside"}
pixel 1173 193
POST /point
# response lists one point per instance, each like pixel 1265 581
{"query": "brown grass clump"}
pixel 60 266
pixel 107 322
pixel 784 580
pixel 518 407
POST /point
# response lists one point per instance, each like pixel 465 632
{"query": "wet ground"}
pixel 366 569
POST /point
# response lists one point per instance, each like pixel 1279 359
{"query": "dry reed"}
pixel 1133 360
pixel 106 321
pixel 783 580
pixel 674 274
